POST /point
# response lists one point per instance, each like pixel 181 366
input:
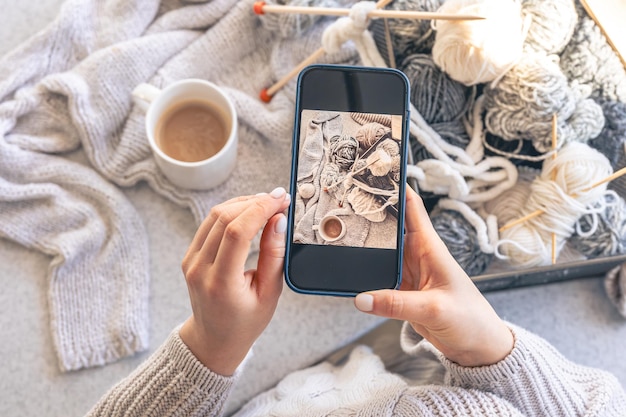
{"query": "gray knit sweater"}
pixel 533 380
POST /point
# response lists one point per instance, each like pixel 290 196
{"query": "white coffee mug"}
pixel 200 175
pixel 331 228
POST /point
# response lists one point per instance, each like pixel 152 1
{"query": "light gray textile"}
pixel 68 88
pixel 533 380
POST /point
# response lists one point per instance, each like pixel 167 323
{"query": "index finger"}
pixel 235 243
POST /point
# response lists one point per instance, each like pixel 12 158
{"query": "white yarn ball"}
pixel 306 190
pixel 562 192
pixel 478 51
pixel 380 163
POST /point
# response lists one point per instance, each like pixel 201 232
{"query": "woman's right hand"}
pixel 438 298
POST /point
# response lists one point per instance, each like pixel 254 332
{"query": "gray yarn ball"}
pixel 521 105
pixel 462 242
pixel 408 36
pixel 609 239
pixel 343 150
pixel 436 96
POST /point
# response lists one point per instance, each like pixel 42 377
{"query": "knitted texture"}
pixel 172 381
pixel 70 87
pixel 533 380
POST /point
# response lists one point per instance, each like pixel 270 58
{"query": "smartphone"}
pixel 348 175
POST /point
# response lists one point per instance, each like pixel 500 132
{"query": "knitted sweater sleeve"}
pixel 171 382
pixel 533 380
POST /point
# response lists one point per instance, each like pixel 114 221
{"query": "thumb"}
pixel 272 256
pixel 393 304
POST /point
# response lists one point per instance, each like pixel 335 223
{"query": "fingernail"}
pixel 364 302
pixel 278 192
pixel 281 225
pixel 288 198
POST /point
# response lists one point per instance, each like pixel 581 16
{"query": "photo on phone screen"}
pixel 348 179
pixel 346 220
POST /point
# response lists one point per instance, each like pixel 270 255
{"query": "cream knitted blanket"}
pixel 69 87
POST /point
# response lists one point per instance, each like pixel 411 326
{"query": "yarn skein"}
pixel 434 94
pixel 551 25
pixel 522 103
pixel 560 191
pixel 408 36
pixel 479 51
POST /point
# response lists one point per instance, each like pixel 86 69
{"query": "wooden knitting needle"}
pixel 260 7
pixel 539 212
pixel 267 93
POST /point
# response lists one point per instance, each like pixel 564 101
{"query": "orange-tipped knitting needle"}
pixel 260 7
pixel 267 93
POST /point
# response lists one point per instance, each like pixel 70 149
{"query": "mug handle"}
pixel 145 94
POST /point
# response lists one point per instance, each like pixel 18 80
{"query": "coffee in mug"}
pixel 192 130
pixel 331 228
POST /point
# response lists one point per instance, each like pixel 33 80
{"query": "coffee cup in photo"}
pixel 331 228
pixel 192 130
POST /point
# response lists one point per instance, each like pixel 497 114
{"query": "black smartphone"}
pixel 348 177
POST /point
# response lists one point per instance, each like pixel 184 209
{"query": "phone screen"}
pixel 348 176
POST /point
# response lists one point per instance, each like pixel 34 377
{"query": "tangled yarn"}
pixel 523 102
pixel 462 241
pixel 550 24
pixel 370 133
pixel 478 51
pixel 407 36
pixel 453 132
pixel 434 94
pixel 591 65
pixel 603 233
pixel 343 150
pixel 563 201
